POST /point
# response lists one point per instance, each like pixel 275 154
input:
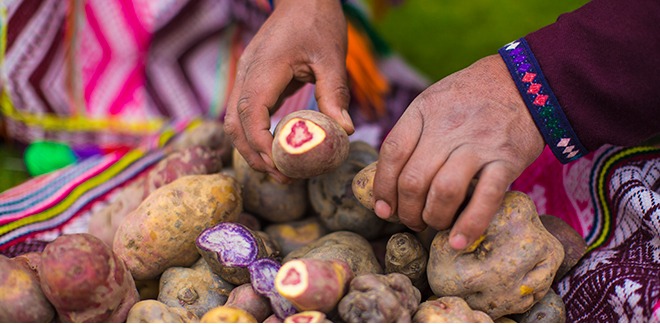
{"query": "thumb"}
pixel 333 95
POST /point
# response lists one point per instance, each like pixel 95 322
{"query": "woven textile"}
pixel 612 198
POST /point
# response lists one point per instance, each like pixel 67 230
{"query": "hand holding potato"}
pixel 471 124
pixel 301 42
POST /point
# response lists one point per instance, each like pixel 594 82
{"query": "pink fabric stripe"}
pixel 109 160
pixel 28 186
pixel 101 66
pixel 135 79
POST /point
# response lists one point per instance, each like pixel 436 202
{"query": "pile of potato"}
pixel 204 238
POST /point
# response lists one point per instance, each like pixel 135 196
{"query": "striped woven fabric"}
pixel 56 203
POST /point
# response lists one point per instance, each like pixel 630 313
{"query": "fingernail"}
pixel 382 209
pixel 458 242
pixel 348 121
pixel 267 159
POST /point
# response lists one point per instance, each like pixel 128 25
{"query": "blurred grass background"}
pixel 437 37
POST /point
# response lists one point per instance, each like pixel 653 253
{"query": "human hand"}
pixel 472 124
pixel 301 42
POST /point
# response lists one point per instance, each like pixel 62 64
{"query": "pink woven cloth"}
pixel 612 198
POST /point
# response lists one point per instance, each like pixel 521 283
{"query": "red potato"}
pixel 314 284
pixel 308 143
pixel 307 317
pixel 21 297
pixel 245 298
pixel 85 281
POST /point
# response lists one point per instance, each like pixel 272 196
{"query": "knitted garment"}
pixel 612 198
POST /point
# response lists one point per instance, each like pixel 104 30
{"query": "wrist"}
pixel 541 101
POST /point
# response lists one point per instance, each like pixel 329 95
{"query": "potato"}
pixel 575 247
pixel 295 234
pixel 85 281
pixel 550 309
pixel 406 255
pixel 380 298
pixel 449 309
pixel 335 203
pixel 266 197
pixel 197 289
pixel 363 188
pixel 104 221
pixel 343 245
pixel 245 298
pixel 161 232
pixel 308 143
pixel 508 270
pixel 153 311
pixel 21 296
pixel 208 133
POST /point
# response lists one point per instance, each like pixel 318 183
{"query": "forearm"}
pixel 601 63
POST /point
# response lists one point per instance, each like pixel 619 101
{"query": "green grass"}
pixel 439 37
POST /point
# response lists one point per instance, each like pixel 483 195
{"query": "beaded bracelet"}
pixel 541 101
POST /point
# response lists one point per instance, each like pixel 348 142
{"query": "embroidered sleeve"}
pixel 541 101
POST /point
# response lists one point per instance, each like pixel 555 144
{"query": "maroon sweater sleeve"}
pixel 602 62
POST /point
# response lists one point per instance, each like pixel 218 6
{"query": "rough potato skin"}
pixel 85 281
pixel 266 197
pixel 575 247
pixel 406 255
pixel 550 309
pixel 363 188
pixel 380 298
pixel 343 245
pixel 323 158
pixel 161 232
pixel 508 271
pixel 197 289
pixel 153 311
pixel 449 309
pixel 331 196
pixel 104 221
pixel 295 234
pixel 208 133
pixel 21 297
